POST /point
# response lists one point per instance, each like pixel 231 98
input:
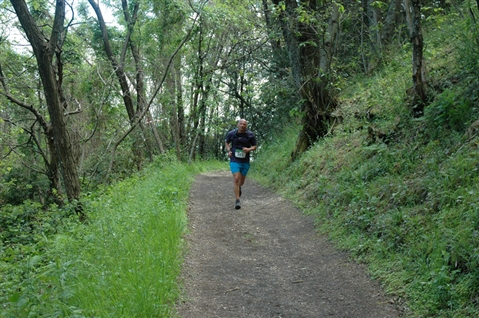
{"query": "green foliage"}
pixel 20 185
pixel 279 106
pixel 468 47
pixel 450 111
pixel 22 251
pixel 279 150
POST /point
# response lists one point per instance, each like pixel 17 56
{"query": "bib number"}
pixel 239 153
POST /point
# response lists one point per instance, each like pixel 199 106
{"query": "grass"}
pixel 124 262
pixel 407 203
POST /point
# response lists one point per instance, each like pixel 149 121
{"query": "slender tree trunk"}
pixel 391 21
pixel 156 135
pixel 193 146
pixel 5 129
pixel 118 67
pixel 174 87
pixel 175 131
pixel 179 105
pixel 198 90
pixel 279 57
pixel 413 17
pixel 179 111
pixel 141 103
pixel 275 44
pixel 373 35
pixel 3 114
pixel 202 118
pixel 140 85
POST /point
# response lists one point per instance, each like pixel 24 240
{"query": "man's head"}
pixel 242 125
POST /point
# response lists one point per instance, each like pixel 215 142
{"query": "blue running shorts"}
pixel 239 167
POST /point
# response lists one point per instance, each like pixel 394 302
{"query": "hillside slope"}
pixel 400 193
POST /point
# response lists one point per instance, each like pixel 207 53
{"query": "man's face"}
pixel 242 125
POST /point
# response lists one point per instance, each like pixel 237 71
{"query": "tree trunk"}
pixel 198 90
pixel 371 30
pixel 413 17
pixel 4 115
pixel 118 67
pixel 391 21
pixel 179 113
pixel 44 50
pixel 52 167
pixel 156 135
pixel 179 103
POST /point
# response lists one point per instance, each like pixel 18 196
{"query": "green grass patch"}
pixel 124 262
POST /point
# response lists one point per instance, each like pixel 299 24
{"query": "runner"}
pixel 239 143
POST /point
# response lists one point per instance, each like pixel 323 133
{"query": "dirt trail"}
pixel 266 260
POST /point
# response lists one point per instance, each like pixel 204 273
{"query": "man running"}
pixel 239 143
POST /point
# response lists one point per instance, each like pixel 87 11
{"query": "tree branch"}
pixel 30 108
pixel 142 114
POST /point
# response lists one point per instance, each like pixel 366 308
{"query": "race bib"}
pixel 239 153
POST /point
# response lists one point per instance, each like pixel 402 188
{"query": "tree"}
pixel 48 54
pixel 413 18
pixel 392 20
pixel 310 42
pixel 34 145
pixel 118 66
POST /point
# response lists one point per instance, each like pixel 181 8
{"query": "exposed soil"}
pixel 267 260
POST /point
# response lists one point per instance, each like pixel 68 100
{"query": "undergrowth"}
pixel 123 262
pixel 400 193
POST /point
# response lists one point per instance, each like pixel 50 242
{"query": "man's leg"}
pixel 239 172
pixel 244 168
pixel 238 178
pixel 235 171
pixel 241 181
pixel 244 171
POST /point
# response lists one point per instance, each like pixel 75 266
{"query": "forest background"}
pixel 368 109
